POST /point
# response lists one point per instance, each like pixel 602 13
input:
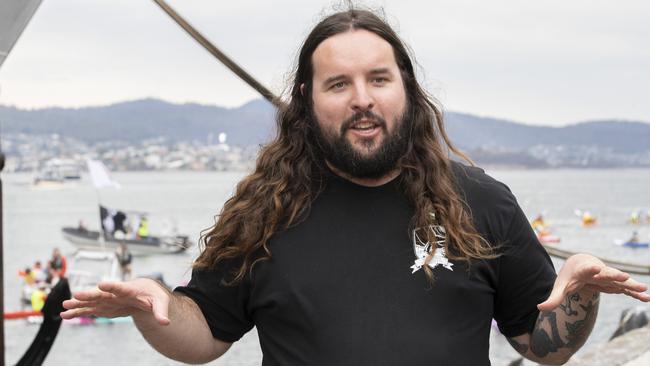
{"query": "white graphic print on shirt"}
pixel 422 248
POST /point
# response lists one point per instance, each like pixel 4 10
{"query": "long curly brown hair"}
pixel 290 169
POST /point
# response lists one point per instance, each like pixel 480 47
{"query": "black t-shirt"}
pixel 340 290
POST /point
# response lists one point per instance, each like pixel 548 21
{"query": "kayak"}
pixel 548 239
pixel 84 320
pixel 631 244
pixel 21 314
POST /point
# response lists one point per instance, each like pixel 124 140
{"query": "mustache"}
pixel 367 115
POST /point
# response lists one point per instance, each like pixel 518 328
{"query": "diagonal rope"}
pixel 227 61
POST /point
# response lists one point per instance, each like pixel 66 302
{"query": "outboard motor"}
pixel 183 241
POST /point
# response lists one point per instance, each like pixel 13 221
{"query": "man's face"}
pixel 359 103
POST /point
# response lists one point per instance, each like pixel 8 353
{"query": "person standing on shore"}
pixel 56 266
pixel 124 258
pixel 357 240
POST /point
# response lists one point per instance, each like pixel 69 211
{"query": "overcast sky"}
pixel 549 62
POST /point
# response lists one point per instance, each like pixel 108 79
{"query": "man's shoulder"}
pixel 477 187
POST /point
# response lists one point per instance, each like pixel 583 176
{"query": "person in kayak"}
pixel 634 239
pixel 357 240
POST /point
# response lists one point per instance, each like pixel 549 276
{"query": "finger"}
pixel 612 286
pixel 76 304
pixel 642 296
pixel 87 293
pixel 93 295
pixel 74 313
pixel 555 298
pixel 117 288
pixel 160 309
pixel 589 271
pixel 611 274
pixel 609 289
pixel 634 285
pixel 71 304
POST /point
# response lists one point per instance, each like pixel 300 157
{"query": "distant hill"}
pixel 253 123
pixel 474 132
pixel 145 119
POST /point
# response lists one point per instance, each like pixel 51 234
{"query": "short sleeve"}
pixel 525 279
pixel 223 306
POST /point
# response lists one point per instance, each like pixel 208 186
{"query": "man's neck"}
pixel 367 182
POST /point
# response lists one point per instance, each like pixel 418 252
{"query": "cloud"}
pixel 551 62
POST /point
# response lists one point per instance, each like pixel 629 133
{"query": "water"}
pixel 34 216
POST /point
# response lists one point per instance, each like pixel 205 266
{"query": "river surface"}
pixel 33 218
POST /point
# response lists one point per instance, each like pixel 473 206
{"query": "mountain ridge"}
pixel 253 123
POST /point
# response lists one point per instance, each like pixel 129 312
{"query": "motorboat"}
pixel 85 239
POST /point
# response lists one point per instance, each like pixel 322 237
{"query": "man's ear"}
pixel 302 89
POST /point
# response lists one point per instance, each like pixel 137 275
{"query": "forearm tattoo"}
pixel 561 332
pixel 522 348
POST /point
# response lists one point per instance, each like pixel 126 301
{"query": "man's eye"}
pixel 379 80
pixel 338 85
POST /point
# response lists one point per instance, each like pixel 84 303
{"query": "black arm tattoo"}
pixel 567 305
pixel 541 344
pixel 579 330
pixel 560 333
pixel 519 347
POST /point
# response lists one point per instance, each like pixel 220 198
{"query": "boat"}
pixel 548 239
pixel 121 226
pixel 586 218
pixel 87 269
pixel 90 240
pixel 543 231
pixel 631 244
pixel 57 172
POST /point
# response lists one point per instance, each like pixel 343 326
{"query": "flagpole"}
pixel 100 177
pixel 102 242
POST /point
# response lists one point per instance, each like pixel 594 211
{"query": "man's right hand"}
pixel 140 298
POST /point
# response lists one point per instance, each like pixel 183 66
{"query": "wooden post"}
pixel 2 284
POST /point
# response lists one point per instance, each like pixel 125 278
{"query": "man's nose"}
pixel 362 99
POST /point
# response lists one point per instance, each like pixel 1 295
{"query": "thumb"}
pixel 555 298
pixel 160 309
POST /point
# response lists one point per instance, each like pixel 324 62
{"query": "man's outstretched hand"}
pixel 114 299
pixel 586 271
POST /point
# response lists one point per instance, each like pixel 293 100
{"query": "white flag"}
pixel 100 175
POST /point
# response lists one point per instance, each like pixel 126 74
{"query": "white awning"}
pixel 14 16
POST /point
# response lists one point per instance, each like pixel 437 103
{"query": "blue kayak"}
pixel 631 244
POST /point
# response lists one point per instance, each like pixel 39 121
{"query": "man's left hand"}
pixel 586 271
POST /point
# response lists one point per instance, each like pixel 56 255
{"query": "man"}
pixel 356 241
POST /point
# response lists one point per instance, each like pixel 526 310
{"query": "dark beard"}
pixel 339 152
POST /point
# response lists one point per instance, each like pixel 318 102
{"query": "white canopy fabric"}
pixel 14 16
